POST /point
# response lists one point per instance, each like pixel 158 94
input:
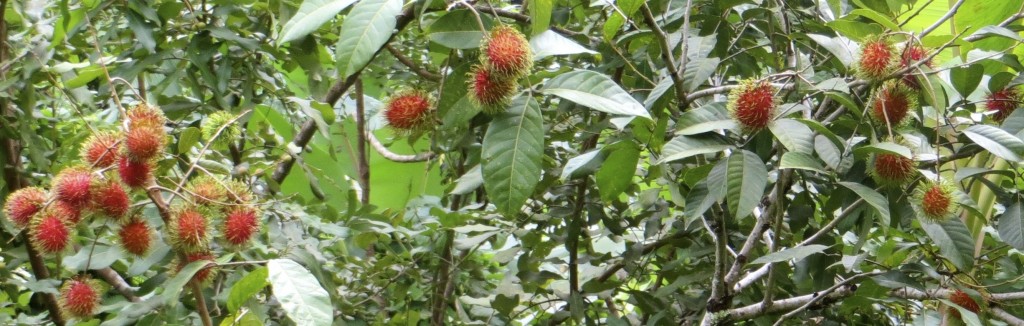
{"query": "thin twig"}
pixel 949 14
pixel 388 154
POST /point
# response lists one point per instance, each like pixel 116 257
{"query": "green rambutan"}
pixel 214 122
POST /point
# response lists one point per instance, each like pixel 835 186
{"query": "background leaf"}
pixel 300 294
pixel 512 152
pixel 365 30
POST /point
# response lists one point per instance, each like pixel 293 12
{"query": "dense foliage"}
pixel 552 161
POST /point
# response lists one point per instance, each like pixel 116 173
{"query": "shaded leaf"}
pixel 511 156
pixel 300 294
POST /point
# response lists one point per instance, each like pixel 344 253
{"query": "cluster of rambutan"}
pixel 892 102
pixel 505 57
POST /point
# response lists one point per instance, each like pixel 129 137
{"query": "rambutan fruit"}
pixel 110 199
pixel 964 300
pixel 135 236
pixel 49 232
pixel 134 174
pixel 913 53
pixel 489 91
pixel 80 297
pixel 878 59
pixel 891 104
pixel 144 116
pixel 143 144
pixel 240 225
pixel 214 122
pixel 189 230
pixel 73 185
pixel 507 52
pixel 100 149
pixel 1003 102
pixel 239 193
pixel 24 203
pixel 203 275
pixel 206 190
pixel 70 213
pixel 935 201
pixel 409 110
pixel 892 169
pixel 753 105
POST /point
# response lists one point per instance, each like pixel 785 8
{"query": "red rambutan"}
pixel 23 204
pixel 910 55
pixel 72 185
pixel 892 169
pixel 240 225
pixel 409 110
pixel 892 103
pixel 146 116
pixel 189 230
pixel 489 91
pixel 964 300
pixel 80 297
pixel 753 104
pixel 70 213
pixel 110 199
pixel 135 236
pixel 100 149
pixel 936 202
pixel 1002 103
pixel 507 52
pixel 143 144
pixel 49 232
pixel 877 59
pixel 203 275
pixel 134 174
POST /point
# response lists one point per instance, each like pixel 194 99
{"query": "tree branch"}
pixel 949 14
pixel 388 154
pixel 666 53
pixel 419 70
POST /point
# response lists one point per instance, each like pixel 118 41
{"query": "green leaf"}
pixel 300 294
pixel 794 135
pixel 582 164
pixel 458 30
pixel 616 20
pixel 796 253
pixel 838 46
pixel 872 197
pixel 311 14
pixel 174 286
pixel 246 287
pixel 968 317
pixel 469 181
pixel 1011 225
pixel 996 141
pixel 550 43
pixel 511 156
pixel 365 30
pixel 681 147
pixel 877 17
pixel 540 15
pixel 505 304
pixel 700 199
pixel 698 71
pixel 795 160
pixel 998 31
pixel 710 117
pixel 885 148
pixel 746 181
pixel 188 138
pixel 953 238
pixel 966 79
pixel 969 172
pixel 596 91
pixel 616 174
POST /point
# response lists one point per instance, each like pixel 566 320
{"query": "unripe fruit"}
pixel 489 91
pixel 80 297
pixel 409 110
pixel 110 199
pixel 752 105
pixel 49 233
pixel 507 52
pixel 134 174
pixel 1002 103
pixel 892 103
pixel 143 144
pixel 100 149
pixel 239 193
pixel 72 186
pixel 189 230
pixel 203 275
pixel 877 59
pixel 214 122
pixel 135 236
pixel 936 202
pixel 23 204
pixel 963 300
pixel 146 116
pixel 206 190
pixel 240 225
pixel 892 169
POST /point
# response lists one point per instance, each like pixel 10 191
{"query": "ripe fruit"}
pixel 240 225
pixel 49 232
pixel 134 174
pixel 892 169
pixel 936 202
pixel 507 52
pixel 753 104
pixel 146 116
pixel 189 230
pixel 100 149
pixel 110 199
pixel 206 190
pixel 409 110
pixel 23 204
pixel 70 213
pixel 72 186
pixel 1003 102
pixel 79 297
pixel 891 103
pixel 142 144
pixel 490 91
pixel 214 122
pixel 963 300
pixel 135 236
pixel 203 275
pixel 877 59
pixel 911 54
